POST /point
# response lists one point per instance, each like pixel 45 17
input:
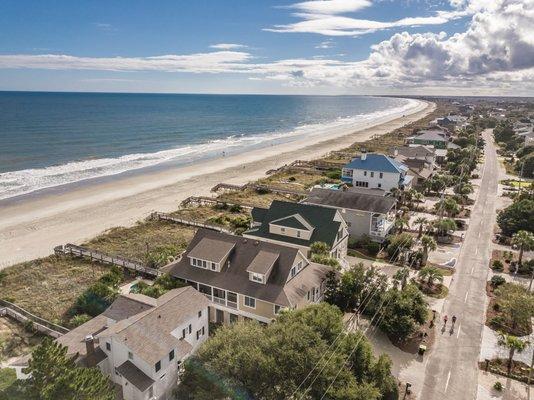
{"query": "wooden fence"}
pixel 187 222
pixel 201 201
pixel 94 255
pixel 42 325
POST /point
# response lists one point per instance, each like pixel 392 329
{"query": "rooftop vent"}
pixel 256 242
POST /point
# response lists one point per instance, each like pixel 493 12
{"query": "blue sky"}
pixel 260 46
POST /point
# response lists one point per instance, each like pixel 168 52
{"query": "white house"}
pixel 376 171
pixel 140 342
pixel 365 214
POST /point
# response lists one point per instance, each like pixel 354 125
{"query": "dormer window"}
pixel 261 266
pixel 210 254
pixel 257 277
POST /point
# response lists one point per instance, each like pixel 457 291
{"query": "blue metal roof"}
pixel 377 162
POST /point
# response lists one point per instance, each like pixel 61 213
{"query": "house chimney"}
pixel 89 344
pixel 395 152
pixel 364 156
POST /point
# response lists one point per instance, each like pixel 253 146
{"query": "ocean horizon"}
pixel 50 139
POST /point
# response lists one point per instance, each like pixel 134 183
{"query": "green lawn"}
pixel 10 388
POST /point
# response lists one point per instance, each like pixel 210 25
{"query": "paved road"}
pixel 451 369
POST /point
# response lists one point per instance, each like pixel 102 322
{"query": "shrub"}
pixel 497 265
pixel 527 267
pixel 235 208
pixel 498 386
pixel 373 248
pixel 78 320
pixel 291 179
pixel 334 174
pixel 497 281
pixel 262 190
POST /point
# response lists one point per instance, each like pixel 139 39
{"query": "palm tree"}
pixel 430 275
pixel 401 223
pixel 429 244
pixel 525 241
pixel 443 226
pixel 401 277
pixel 513 344
pixel 421 221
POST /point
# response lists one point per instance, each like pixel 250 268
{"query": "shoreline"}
pixel 32 226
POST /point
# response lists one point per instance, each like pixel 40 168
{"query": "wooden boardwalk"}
pixel 94 255
pixel 42 325
pixel 187 222
pixel 202 200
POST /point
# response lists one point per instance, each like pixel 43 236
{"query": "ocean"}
pixel 53 139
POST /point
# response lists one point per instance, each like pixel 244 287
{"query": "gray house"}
pixel 365 214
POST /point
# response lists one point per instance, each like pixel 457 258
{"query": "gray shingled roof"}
pixel 351 200
pixel 211 250
pixel 135 376
pixel 235 277
pixel 320 218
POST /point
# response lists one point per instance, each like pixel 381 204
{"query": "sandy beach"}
pixel 32 226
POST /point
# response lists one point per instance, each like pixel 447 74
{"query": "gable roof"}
pixel 412 151
pixel 293 221
pixel 135 376
pixel 148 333
pixel 321 219
pixel 234 275
pixel 211 250
pixel 376 162
pixel 435 135
pixel 351 200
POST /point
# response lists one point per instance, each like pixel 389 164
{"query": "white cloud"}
pixel 496 52
pixel 331 6
pixel 105 27
pixel 325 18
pixel 227 46
pixel 327 44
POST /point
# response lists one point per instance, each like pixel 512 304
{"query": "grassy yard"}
pixel 132 242
pixel 251 197
pixel 48 286
pixel 295 180
pixel 10 388
pixel 16 340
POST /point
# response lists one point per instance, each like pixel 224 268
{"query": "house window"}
pixel 308 295
pixel 202 331
pixel 292 272
pixel 282 229
pixel 189 328
pixel 347 172
pixel 277 309
pixel 200 314
pixel 250 302
pixel 130 355
pixel 298 234
pixel 381 175
pixel 372 174
pixel 257 277
pixel 204 264
pixel 199 333
pixel 108 346
pixel 213 266
pixel 233 318
pixel 171 355
pixel 379 185
pixel 158 366
pixel 183 333
pixel 232 297
pixel 364 173
pixel 361 184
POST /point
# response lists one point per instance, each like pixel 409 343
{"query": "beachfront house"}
pixel 246 278
pixel 421 161
pixel 300 225
pixel 365 214
pixel 376 171
pixel 433 137
pixel 140 342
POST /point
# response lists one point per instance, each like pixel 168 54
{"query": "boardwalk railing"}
pixel 226 186
pixel 201 200
pixel 93 255
pixel 187 222
pixel 40 324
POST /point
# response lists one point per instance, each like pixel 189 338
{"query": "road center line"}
pixel 458 333
pixel 466 294
pixel 476 251
pixel 472 270
pixel 448 378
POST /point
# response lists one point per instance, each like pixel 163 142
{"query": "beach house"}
pixel 421 161
pixel 300 225
pixel 245 278
pixel 365 214
pixel 140 342
pixel 434 137
pixel 376 171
